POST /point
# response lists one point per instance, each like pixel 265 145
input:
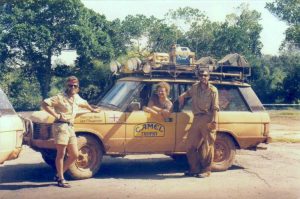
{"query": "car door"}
pixel 144 132
pixel 184 118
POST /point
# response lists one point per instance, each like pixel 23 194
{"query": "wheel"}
pixel 90 154
pixel 48 156
pixel 225 150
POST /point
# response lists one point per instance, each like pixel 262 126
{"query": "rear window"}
pixel 251 99
pixel 5 105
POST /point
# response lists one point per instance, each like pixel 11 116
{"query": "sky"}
pixel 271 36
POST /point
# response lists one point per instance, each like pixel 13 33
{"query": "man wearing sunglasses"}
pixel 64 107
pixel 202 134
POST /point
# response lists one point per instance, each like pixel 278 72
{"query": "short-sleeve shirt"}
pixel 64 106
pixel 204 100
pixel 154 101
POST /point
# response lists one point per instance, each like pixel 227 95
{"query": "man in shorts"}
pixel 64 107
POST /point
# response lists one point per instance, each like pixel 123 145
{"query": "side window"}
pixel 140 99
pixel 230 99
pixel 172 96
pixel 188 101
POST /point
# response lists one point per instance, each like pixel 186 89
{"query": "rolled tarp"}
pixel 207 62
pixel 234 59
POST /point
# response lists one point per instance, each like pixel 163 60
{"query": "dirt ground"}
pixel 264 174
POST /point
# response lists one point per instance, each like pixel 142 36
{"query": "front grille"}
pixel 42 131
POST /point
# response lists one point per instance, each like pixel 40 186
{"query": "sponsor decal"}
pixel 149 129
pixel 91 119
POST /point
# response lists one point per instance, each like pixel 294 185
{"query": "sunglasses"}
pixel 73 86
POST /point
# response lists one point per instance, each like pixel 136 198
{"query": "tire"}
pixel 225 151
pixel 49 156
pixel 90 154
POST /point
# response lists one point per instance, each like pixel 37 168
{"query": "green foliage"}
pixel 161 36
pixel 275 79
pixel 96 83
pixel 291 86
pixel 288 11
pixel 23 93
pixel 239 33
pixel 33 31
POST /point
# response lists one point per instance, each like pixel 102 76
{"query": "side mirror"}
pixel 134 106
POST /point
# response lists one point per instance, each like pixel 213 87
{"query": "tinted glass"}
pixel 251 99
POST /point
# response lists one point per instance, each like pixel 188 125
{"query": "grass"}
pixel 285 125
pixel 286 114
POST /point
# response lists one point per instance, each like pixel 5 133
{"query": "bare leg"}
pixel 72 156
pixel 59 160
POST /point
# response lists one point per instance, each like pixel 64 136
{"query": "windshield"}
pixel 5 106
pixel 117 97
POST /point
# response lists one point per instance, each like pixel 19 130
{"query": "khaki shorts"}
pixel 64 134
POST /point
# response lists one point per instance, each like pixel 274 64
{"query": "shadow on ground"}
pixel 149 168
pixel 41 175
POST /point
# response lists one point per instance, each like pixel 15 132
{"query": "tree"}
pixel 33 31
pixel 193 29
pixel 291 86
pixel 162 35
pixel 239 33
pixel 288 11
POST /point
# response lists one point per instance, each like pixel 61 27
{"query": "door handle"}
pixel 169 119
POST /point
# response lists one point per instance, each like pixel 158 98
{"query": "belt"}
pixel 200 114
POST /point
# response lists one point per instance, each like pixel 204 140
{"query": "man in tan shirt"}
pixel 64 107
pixel 202 134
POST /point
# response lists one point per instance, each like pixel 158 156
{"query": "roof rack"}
pixel 229 73
pixel 183 71
pixel 181 64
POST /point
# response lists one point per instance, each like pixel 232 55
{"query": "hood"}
pixel 37 116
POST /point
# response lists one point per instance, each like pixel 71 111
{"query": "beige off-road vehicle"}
pixel 123 128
